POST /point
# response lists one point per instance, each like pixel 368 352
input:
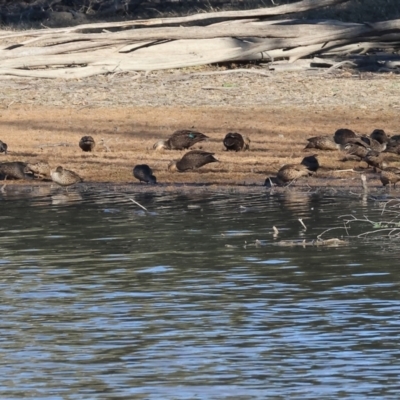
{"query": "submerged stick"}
pixel 302 223
pixel 364 182
pixel 134 201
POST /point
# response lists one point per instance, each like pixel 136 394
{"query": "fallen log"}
pixel 80 52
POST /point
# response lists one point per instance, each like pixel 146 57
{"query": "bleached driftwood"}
pixel 83 51
pixel 293 8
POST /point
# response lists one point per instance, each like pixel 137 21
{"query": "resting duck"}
pixel 311 162
pixel 287 174
pixel 380 136
pixel 87 143
pixel 369 143
pixel 343 135
pixel 65 177
pixel 234 141
pixel 322 143
pixel 40 169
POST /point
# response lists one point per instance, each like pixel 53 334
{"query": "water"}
pixel 195 299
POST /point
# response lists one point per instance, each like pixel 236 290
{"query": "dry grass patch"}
pixel 278 136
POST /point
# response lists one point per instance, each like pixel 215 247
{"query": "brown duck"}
pixel 393 146
pixel 40 169
pixel 374 159
pixel 355 151
pixel 3 147
pixel 87 143
pixel 65 177
pixel 390 175
pixel 380 136
pixel 287 174
pixel 343 135
pixel 14 170
pixel 311 162
pixel 144 173
pixel 322 143
pixel 192 160
pixel 369 143
pixel 234 141
pixel 180 140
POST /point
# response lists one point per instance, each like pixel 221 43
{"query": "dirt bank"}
pixel 44 120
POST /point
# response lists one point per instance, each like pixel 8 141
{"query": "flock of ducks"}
pixel 370 149
pixel 179 140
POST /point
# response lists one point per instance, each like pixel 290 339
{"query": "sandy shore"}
pixel 43 120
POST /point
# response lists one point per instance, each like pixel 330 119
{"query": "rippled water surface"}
pixel 195 298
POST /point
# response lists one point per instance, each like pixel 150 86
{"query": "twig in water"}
pixel 327 230
pixel 364 182
pixel 134 201
pixel 301 221
pixel 276 232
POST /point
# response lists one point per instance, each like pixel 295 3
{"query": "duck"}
pixel 380 136
pixel 144 173
pixel 374 159
pixel 393 145
pixel 287 174
pixel 234 141
pixel 14 170
pixel 370 143
pixel 40 169
pixel 87 143
pixel 192 160
pixel 355 151
pixel 389 175
pixel 311 162
pixel 65 177
pixel 3 147
pixel 180 140
pixel 322 143
pixel 343 135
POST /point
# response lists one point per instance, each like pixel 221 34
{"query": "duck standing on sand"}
pixel 322 143
pixel 14 170
pixel 87 143
pixel 65 177
pixel 287 174
pixel 234 141
pixel 374 159
pixel 180 140
pixel 390 175
pixel 3 147
pixel 144 173
pixel 192 160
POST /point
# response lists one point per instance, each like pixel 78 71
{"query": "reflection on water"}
pixel 193 299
